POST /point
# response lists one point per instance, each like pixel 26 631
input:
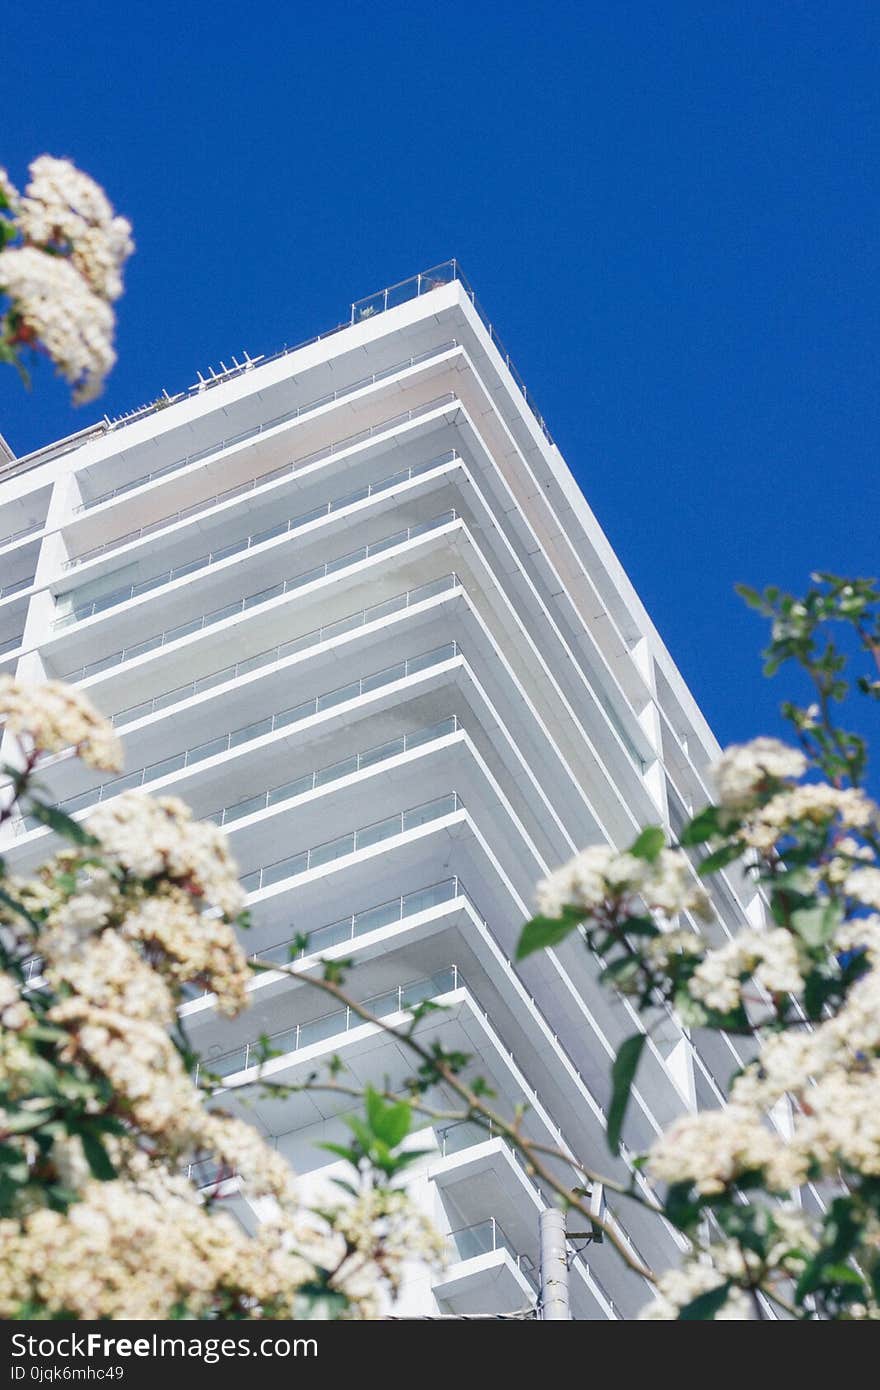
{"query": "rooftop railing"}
pixel 256 430
pixel 251 542
pixel 398 1000
pixel 433 279
pixel 362 309
pixel 274 591
pixel 373 834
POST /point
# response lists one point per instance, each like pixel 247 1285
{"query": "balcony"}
pixel 256 431
pixel 339 1021
pixel 263 596
pixel 486 1273
pixel 373 613
pixel 370 919
pixel 213 557
pixel 355 840
pixel 240 737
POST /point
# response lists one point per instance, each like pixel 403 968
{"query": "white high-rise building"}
pixel 349 602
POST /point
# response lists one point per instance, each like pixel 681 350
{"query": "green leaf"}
pixel 751 597
pixel 61 823
pixel 701 828
pixel 542 932
pixel 97 1157
pixel 639 926
pixel 816 925
pixel 719 859
pixel 361 1131
pixel 622 1076
pixel 649 843
pixel 681 1209
pixel 704 1307
pixel 390 1122
pixel 351 1155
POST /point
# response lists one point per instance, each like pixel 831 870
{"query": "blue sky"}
pixel 669 210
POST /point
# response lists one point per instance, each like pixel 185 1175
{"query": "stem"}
pixel 476 1106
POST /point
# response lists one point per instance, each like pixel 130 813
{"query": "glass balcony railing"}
pixel 255 431
pixel 11 643
pixel 6 590
pixel 373 834
pixel 482 1239
pixel 283 720
pixel 345 767
pixel 360 311
pixel 347 929
pixel 212 557
pixel 423 283
pixel 367 920
pixel 274 795
pixel 274 591
pixel 321 634
pixel 20 535
pixel 252 484
pixel 392 1001
pixel 464 1134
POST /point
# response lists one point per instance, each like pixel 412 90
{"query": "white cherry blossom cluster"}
pixel 716 1147
pixel 52 716
pixel 815 803
pixel 62 275
pixel 599 877
pixel 831 1072
pixel 15 1013
pixel 9 195
pixel 791 1240
pixel 149 837
pixel 678 1287
pixel 745 770
pixel 386 1230
pixel 773 959
pixel 65 210
pixel 190 946
pixel 863 884
pixel 125 1252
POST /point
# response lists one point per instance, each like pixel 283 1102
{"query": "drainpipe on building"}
pixel 555 1305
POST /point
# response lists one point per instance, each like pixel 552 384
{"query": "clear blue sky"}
pixel 670 210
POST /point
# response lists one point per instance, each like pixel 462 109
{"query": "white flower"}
pixel 713 1149
pixel 59 312
pixel 8 192
pixel 816 803
pixel 600 876
pixel 745 769
pixel 864 885
pixel 55 716
pixel 772 958
pixel 679 1287
pixel 66 210
pixel 147 836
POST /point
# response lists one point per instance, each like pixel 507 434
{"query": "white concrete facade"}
pixel 350 602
